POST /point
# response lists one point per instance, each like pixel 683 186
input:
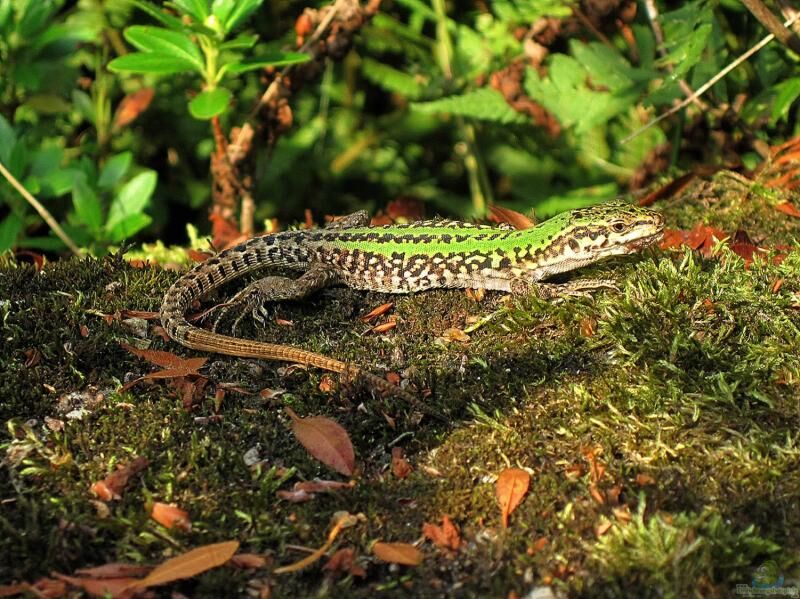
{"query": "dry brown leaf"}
pixel 325 440
pixel 112 486
pixel 588 327
pixel 788 208
pixel 643 480
pixel 131 106
pixel 174 366
pixel 511 486
pixel 189 564
pixel 445 536
pixel 498 214
pixel 454 334
pixel 382 328
pixel 323 486
pixel 170 515
pixel 249 561
pixel 119 588
pixel 476 294
pixel 379 311
pixel 344 561
pixel 602 528
pixel 343 520
pixel 115 570
pixel 295 495
pixel 198 255
pixel 400 466
pixel 10 590
pixel 397 553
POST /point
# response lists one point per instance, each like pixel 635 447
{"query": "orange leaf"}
pixel 190 564
pixel 445 536
pixel 511 486
pixel 382 328
pixel 518 220
pixel 788 208
pixel 344 560
pixel 398 553
pixel 171 516
pixel 249 561
pixel 198 255
pixel 343 520
pixel 379 311
pixel 400 466
pixel 132 106
pixel 114 570
pixel 112 486
pixel 166 359
pixel 325 440
pixel 101 587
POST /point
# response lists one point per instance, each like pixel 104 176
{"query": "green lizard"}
pixel 404 259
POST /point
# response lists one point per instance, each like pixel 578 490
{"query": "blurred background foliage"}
pixel 109 108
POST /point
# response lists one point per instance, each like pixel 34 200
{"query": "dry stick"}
pixel 46 216
pixel 708 84
pixel 773 24
pixel 652 16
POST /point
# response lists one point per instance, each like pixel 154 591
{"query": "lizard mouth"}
pixel 645 241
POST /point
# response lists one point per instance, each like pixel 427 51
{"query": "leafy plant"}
pixel 200 43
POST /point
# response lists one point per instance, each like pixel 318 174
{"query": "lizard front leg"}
pixel 254 297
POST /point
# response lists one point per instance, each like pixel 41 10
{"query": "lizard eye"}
pixel 618 226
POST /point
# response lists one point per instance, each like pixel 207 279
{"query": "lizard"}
pixel 404 258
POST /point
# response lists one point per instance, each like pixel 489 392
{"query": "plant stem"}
pixel 46 216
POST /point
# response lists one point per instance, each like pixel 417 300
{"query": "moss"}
pixel 682 386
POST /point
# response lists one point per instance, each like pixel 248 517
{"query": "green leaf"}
pixel 391 79
pixel 159 15
pixel 274 59
pixel 241 11
pixel 222 9
pixel 128 227
pixel 786 94
pixel 164 41
pixel 10 228
pixel 131 199
pixel 243 41
pixel 8 139
pixel 210 103
pixel 114 170
pixel 197 9
pixel 87 204
pixel 484 104
pixel 151 62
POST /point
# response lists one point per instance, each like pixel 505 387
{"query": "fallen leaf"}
pixel 596 494
pixel 284 323
pixel 788 208
pixel 776 286
pixel 295 495
pixel 197 255
pixel 379 311
pixel 9 590
pixel 84 330
pixel 326 383
pixel 477 294
pixel 538 545
pixel 112 486
pixel 119 588
pixel 397 553
pixel 445 536
pixel 382 328
pixel 174 366
pixel 170 515
pixel 115 570
pixel 342 520
pixel 511 486
pixel 249 561
pixel 454 334
pixel 400 466
pixel 344 561
pixel 602 528
pixel 588 327
pixel 643 480
pixel 324 486
pixel 191 563
pixel 325 440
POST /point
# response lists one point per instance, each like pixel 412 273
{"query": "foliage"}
pixel 515 102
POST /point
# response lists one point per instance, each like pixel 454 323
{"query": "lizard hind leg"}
pixel 253 298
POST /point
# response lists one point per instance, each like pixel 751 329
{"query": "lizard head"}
pixel 611 229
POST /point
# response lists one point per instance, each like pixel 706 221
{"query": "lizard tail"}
pixel 233 263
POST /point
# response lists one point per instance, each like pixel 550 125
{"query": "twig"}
pixel 773 24
pixel 46 216
pixel 652 16
pixel 708 84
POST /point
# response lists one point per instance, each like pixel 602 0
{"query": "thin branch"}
pixel 773 24
pixel 708 84
pixel 46 216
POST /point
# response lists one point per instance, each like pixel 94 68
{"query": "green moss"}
pixel 683 384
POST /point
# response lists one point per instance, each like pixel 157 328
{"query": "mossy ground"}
pixel 683 385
